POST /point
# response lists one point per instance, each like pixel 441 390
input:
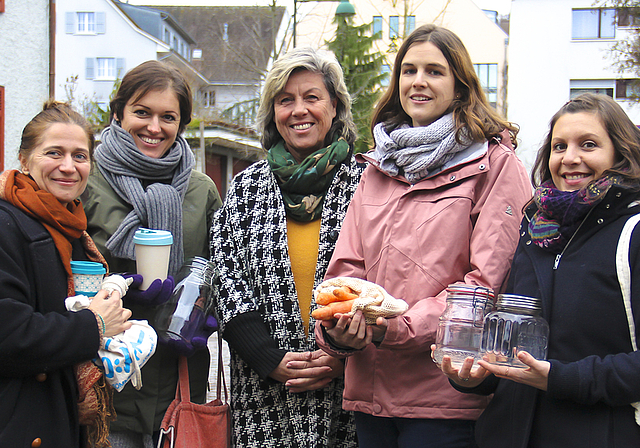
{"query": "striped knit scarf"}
pixel 560 212
pixel 415 152
pixel 159 206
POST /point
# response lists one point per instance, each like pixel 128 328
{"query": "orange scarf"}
pixel 66 224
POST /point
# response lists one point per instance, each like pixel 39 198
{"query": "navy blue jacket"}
pixel 595 374
pixel 40 341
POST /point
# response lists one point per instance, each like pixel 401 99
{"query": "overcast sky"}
pixel 502 6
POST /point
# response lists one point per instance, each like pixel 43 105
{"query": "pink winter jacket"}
pixel 459 226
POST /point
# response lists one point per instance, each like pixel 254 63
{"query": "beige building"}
pixel 485 40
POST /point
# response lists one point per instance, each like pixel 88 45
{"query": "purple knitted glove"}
pixel 197 342
pixel 156 294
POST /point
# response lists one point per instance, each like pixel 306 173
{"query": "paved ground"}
pixel 213 371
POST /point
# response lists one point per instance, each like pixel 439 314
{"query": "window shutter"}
pixel 89 68
pixel 70 22
pixel 1 10
pixel 119 68
pixel 621 88
pixel 101 23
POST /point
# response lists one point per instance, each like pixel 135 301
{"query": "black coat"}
pixel 39 340
pixel 595 374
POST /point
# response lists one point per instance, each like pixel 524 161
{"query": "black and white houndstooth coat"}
pixel 249 247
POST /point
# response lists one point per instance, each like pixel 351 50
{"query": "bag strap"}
pixel 183 391
pixel 221 379
pixel 624 273
pixel 624 278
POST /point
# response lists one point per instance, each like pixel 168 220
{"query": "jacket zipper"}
pixel 559 256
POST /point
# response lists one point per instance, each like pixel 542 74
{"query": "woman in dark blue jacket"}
pixel 588 177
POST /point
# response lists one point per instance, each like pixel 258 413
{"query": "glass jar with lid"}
pixel 514 326
pixel 178 319
pixel 460 325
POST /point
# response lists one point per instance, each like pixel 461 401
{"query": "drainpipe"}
pixel 52 48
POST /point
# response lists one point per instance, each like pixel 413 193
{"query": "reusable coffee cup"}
pixel 87 277
pixel 153 248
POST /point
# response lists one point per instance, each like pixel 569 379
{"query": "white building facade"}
pixel 96 44
pixel 395 19
pixel 24 70
pixel 559 49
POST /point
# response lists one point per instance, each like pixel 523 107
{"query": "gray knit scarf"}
pixel 159 206
pixel 416 151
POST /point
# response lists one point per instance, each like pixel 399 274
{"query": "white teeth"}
pixel 300 127
pixel 420 98
pixel 151 141
pixel 575 176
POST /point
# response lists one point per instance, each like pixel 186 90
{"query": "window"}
pixel 209 98
pixel 386 70
pixel 83 22
pixel 394 27
pixel 102 69
pixel 105 68
pixel 1 128
pixel 593 24
pixel 627 88
pixel 602 86
pixel 376 28
pixel 86 22
pixel 225 32
pixel 409 24
pixel 167 36
pixel 629 17
pixel 488 75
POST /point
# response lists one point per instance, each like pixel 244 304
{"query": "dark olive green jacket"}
pixel 142 411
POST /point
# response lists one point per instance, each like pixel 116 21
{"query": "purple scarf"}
pixel 560 213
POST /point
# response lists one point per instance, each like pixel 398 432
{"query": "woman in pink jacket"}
pixel 440 203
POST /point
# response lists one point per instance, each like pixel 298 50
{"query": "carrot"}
pixel 327 312
pixel 325 298
pixel 344 293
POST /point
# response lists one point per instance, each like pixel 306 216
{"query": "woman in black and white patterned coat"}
pixel 272 241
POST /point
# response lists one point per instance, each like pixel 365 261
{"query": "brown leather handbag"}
pixel 189 425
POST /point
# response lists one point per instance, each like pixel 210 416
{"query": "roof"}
pixel 236 41
pixel 150 20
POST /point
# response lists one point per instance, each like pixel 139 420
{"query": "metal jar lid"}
pixel 473 294
pixel 516 303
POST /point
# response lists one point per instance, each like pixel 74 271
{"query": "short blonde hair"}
pixel 323 64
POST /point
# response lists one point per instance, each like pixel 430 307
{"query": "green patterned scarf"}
pixel 305 185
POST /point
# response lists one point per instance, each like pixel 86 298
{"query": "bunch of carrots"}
pixel 340 300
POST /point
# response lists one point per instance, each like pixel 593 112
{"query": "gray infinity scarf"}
pixel 160 205
pixel 416 151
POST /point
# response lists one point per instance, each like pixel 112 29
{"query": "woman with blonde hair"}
pixel 271 241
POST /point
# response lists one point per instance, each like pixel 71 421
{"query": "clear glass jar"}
pixel 460 325
pixel 514 326
pixel 185 312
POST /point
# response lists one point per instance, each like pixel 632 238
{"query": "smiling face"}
pixel 427 84
pixel 153 121
pixel 303 113
pixel 61 163
pixel 581 151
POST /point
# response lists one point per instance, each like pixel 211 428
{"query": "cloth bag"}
pixel 190 425
pixel 373 299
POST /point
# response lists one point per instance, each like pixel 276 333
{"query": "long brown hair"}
pixel 624 135
pixel 470 108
